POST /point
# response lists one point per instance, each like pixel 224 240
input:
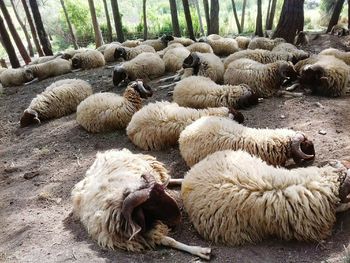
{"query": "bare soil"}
pixel 40 165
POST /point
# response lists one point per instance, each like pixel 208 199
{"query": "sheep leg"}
pixel 175 182
pixel 168 78
pixel 31 82
pixel 342 207
pixel 194 250
pixel 290 94
pixel 167 86
pixel 293 87
pixel 76 70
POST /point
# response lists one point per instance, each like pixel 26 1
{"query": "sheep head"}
pixel 344 188
pixel 28 75
pixel 248 98
pixel 142 88
pixel 76 63
pixel 166 39
pixel 287 72
pixel 148 204
pixel 313 75
pixel 119 75
pixel 29 117
pixel 302 149
pixel 236 115
pixel 66 56
pixel 192 61
pixel 119 52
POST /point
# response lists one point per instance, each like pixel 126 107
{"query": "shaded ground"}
pixel 35 221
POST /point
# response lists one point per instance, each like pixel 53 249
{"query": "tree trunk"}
pixel 236 17
pixel 214 17
pixel 144 8
pixel 97 30
pixel 272 15
pixel 32 29
pixel 117 21
pixel 243 13
pixel 21 48
pixel 109 26
pixel 335 16
pixel 291 20
pixel 26 34
pixel 188 19
pixel 8 45
pixel 174 19
pixel 207 15
pixel 75 44
pixel 44 40
pixel 268 14
pixel 258 27
pixel 349 14
pixel 199 17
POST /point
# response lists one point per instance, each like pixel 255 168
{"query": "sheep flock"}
pixel 244 183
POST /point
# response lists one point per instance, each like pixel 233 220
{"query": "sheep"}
pixel 174 58
pixel 59 99
pixel 130 53
pixel 243 42
pixel 264 43
pixel 44 59
pixel 182 40
pixel 52 68
pixel 339 54
pixel 158 125
pixel 339 30
pixel 88 59
pixel 109 52
pixel 298 54
pixel 234 198
pixel 132 43
pixel 301 39
pixel 200 47
pixel 160 43
pixel 107 111
pixel 103 47
pixel 123 203
pixel 15 77
pixel 201 92
pixel 171 46
pixel 69 54
pixel 145 66
pixel 274 146
pixel 222 46
pixel 263 79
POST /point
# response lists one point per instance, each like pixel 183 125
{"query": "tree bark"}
pixel 97 30
pixel 74 40
pixel 272 15
pixel 349 14
pixel 144 8
pixel 258 28
pixel 188 19
pixel 243 14
pixel 236 17
pixel 207 14
pixel 44 40
pixel 268 14
pixel 214 17
pixel 117 21
pixel 21 48
pixel 291 20
pixel 6 41
pixel 335 16
pixel 32 29
pixel 26 34
pixel 174 19
pixel 199 17
pixel 109 26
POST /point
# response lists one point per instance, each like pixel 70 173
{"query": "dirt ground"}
pixel 40 165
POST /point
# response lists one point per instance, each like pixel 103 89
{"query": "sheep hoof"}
pixel 170 93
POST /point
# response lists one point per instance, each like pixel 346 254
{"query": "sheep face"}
pixel 29 117
pixel 287 72
pixel 76 63
pixel 119 53
pixel 166 39
pixel 248 98
pixel 302 149
pixel 313 76
pixel 236 115
pixel 192 61
pixel 119 75
pixel 66 56
pixel 142 88
pixel 28 75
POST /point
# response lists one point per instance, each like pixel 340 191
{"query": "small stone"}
pixel 282 116
pixel 322 132
pixel 30 175
pixel 11 169
pixel 319 105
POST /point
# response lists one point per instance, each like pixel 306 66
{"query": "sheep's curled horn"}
pixel 302 149
pixel 147 204
pixel 142 88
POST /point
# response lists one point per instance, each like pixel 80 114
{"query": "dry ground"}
pixel 35 220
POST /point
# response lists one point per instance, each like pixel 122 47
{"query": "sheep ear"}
pixel 29 117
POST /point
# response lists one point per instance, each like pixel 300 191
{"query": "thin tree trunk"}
pixel 214 16
pixel 144 8
pixel 349 14
pixel 75 44
pixel 97 30
pixel 207 15
pixel 32 29
pixel 6 41
pixel 236 17
pixel 44 40
pixel 26 34
pixel 21 48
pixel 117 21
pixel 272 14
pixel 335 16
pixel 243 14
pixel 268 14
pixel 258 28
pixel 188 19
pixel 174 18
pixel 109 26
pixel 199 17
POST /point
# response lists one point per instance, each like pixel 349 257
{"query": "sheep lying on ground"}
pixel 298 54
pixel 108 111
pixel 243 42
pixel 339 54
pixel 339 30
pixel 52 68
pixel 160 43
pixel 211 134
pixel 131 43
pixel 123 203
pixel 264 43
pixel 59 99
pixel 171 46
pixel 182 40
pixel 201 92
pixel 68 54
pixel 103 47
pixel 174 58
pixel 145 66
pixel 234 198
pixel 222 46
pixel 44 59
pixel 130 53
pixel 109 52
pixel 264 79
pixel 15 77
pixel 88 59
pixel 158 125
pixel 200 47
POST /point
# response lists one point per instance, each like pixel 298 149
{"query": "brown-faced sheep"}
pixel 103 112
pixel 15 77
pixel 174 58
pixel 130 53
pixel 234 198
pixel 88 59
pixel 200 47
pixel 123 202
pixel 264 43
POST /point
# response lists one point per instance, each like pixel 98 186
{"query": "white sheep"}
pixel 174 58
pixel 123 202
pixel 264 43
pixel 200 47
pixel 51 68
pixel 222 46
pixel 44 59
pixel 103 47
pixel 234 198
pixel 182 40
pixel 59 99
pixel 109 51
pixel 102 112
pixel 339 54
pixel 201 92
pixel 68 54
pixel 171 46
pixel 243 41
pixel 15 77
pixel 159 43
pixel 132 43
pixel 298 54
pixel 158 125
pixel 145 66
pixel 130 53
pixel 211 134
pixel 88 59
